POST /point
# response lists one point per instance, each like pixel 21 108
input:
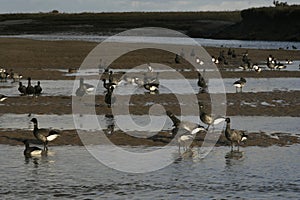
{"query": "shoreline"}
pixel 119 138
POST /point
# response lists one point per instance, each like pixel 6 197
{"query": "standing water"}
pixel 71 172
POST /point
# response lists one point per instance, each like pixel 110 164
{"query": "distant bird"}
pixel 139 82
pixel 111 79
pixel 287 61
pixel 186 125
pixel 127 80
pixel 256 68
pixel 240 84
pixel 205 117
pixel 109 99
pixel 84 88
pixel 44 135
pixel 234 136
pixel 107 85
pixel 201 81
pixel 3 75
pixel 214 60
pixel 271 62
pixel 189 130
pixel 31 151
pixel 2 97
pixel 38 89
pixel 198 61
pixel 177 59
pixel 229 52
pixel 22 88
pixel 280 66
pixel 151 76
pixel 152 87
pixel 29 88
pixel 15 76
pixel 233 55
pixel 208 119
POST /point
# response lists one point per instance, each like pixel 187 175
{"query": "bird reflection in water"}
pixel 232 157
pixel 110 124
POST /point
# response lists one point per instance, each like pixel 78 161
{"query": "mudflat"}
pixel 51 60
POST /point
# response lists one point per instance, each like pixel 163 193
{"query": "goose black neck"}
pixel 174 119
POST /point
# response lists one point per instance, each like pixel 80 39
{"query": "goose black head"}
pixel 243 80
pixel 227 120
pixel 169 113
pixel 25 141
pixel 34 120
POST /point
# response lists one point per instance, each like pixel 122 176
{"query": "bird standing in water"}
pixel 233 135
pixel 40 134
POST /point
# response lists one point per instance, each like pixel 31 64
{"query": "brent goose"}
pixel 84 88
pixel 2 97
pixel 109 98
pixel 40 134
pixel 240 84
pixel 256 68
pixel 151 76
pixel 111 79
pixel 234 136
pixel 31 151
pixel 214 60
pixel 3 75
pixel 127 79
pixel 177 59
pixel 205 117
pixel 22 88
pixel 287 61
pixel 14 76
pixel 201 82
pixel 139 82
pixel 108 85
pixel 280 66
pixel 29 88
pixel 37 89
pixel 152 87
pixel 190 129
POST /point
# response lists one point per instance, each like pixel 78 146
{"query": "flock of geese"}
pixel 183 131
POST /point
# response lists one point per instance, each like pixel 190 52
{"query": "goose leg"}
pixel 208 127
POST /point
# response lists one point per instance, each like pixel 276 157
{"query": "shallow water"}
pixel 167 86
pixel 142 123
pixel 170 40
pixel 70 172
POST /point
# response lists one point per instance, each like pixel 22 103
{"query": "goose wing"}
pixel 53 134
